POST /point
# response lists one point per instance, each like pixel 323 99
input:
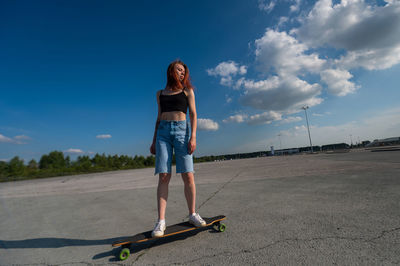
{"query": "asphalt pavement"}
pixel 341 208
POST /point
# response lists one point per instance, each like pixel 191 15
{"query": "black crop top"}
pixel 174 102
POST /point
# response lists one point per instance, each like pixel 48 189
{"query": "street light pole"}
pixel 280 142
pixel 308 127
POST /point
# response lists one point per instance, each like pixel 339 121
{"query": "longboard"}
pixel 169 231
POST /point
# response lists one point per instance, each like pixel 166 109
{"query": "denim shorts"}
pixel 173 136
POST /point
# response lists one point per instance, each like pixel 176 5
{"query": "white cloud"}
pixel 22 137
pixel 6 139
pixel 282 21
pixel 239 118
pixel 242 70
pixel 228 99
pixel 351 25
pixel 74 151
pixel 207 124
pixel 284 54
pixel 227 70
pixel 280 94
pixel 226 81
pixel 15 140
pixel 291 119
pixel 269 84
pixel 262 5
pixel 284 92
pixel 104 136
pixel 316 114
pixel 338 81
pixel 296 6
pixel 372 59
pixel 370 34
pixel 321 115
pixel 239 83
pixel 363 34
pixel 264 118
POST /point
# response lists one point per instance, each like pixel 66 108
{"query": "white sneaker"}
pixel 196 220
pixel 158 229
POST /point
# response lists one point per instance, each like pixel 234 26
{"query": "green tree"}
pixel 55 160
pixel 124 160
pixel 150 161
pixel 116 162
pixel 16 167
pixel 68 162
pixel 3 169
pixel 33 164
pixel 83 163
pixel 139 161
pixel 100 161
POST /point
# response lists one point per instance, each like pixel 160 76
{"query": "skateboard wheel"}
pixel 221 227
pixel 124 254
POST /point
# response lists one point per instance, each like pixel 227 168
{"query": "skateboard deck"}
pixel 169 231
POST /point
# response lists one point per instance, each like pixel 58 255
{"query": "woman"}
pixel 172 132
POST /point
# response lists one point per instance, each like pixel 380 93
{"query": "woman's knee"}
pixel 164 178
pixel 188 178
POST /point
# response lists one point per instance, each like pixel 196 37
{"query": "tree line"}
pixel 57 164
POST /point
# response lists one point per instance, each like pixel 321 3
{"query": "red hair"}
pixel 173 80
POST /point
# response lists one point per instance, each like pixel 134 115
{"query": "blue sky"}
pixel 81 76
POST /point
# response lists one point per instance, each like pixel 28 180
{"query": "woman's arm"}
pixel 193 120
pixel 153 145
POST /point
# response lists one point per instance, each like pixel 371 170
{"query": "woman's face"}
pixel 180 71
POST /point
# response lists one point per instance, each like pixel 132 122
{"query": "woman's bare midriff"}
pixel 173 116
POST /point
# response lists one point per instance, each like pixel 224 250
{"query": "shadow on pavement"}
pixel 54 242
pixel 137 247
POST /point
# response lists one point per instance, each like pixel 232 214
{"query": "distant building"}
pixel 365 143
pixel 384 142
pixel 287 151
pixel 308 149
pixel 337 146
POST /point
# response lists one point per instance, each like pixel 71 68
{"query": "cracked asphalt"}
pixel 339 208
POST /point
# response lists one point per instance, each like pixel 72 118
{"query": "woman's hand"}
pixel 153 148
pixel 191 145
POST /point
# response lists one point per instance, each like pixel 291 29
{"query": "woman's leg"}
pixel 190 191
pixel 162 194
